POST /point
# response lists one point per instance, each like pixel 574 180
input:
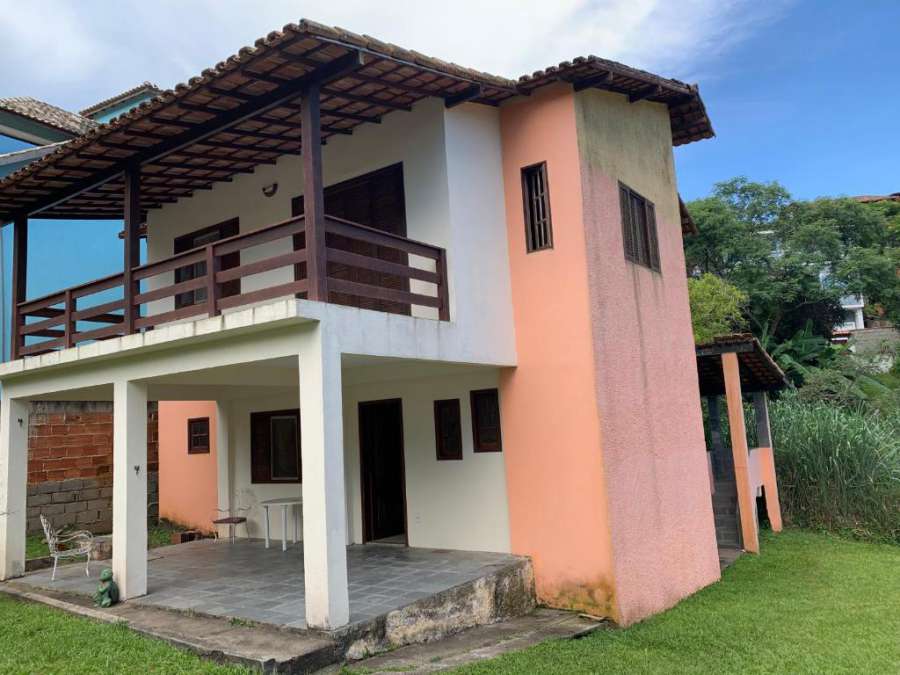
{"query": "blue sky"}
pixel 801 92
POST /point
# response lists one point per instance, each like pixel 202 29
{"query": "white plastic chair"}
pixel 71 545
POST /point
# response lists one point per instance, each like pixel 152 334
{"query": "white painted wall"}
pixel 450 504
pixel 454 199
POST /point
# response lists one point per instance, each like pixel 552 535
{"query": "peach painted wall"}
pixel 654 455
pixel 551 431
pixel 187 483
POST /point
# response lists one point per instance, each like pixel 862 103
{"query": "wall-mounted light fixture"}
pixel 270 190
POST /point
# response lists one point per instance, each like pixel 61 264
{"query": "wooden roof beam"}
pixel 333 70
pixel 601 80
pixel 466 94
pixel 646 92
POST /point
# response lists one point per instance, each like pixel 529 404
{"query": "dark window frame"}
pixel 185 242
pixel 261 470
pixel 448 448
pixel 640 237
pixel 478 444
pixel 191 434
pixel 536 206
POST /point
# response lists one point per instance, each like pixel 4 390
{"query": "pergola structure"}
pixel 287 94
pixel 734 365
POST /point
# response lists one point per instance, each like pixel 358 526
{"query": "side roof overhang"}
pixel 758 370
pixel 246 111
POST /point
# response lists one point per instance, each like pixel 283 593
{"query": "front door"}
pixel 381 463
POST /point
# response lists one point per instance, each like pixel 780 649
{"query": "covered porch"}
pixel 293 368
pixel 737 366
pixel 246 581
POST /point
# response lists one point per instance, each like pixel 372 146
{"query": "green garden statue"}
pixel 107 592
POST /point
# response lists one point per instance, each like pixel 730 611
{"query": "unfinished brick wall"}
pixel 70 464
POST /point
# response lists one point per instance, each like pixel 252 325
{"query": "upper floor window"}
pixel 207 235
pixel 536 196
pixel 639 228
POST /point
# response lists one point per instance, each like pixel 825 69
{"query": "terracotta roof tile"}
pixel 148 87
pixel 47 114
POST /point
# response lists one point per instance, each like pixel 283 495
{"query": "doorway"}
pixel 382 471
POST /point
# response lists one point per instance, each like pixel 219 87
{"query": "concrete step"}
pixel 476 644
pixel 257 646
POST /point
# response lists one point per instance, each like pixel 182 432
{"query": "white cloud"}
pixel 75 54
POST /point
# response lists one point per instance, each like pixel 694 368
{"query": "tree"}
pixel 748 235
pixel 716 307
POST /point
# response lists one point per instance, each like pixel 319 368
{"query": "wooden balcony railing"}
pixel 364 267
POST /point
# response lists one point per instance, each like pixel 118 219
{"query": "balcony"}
pixel 363 267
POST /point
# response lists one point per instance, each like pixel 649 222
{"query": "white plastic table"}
pixel 284 503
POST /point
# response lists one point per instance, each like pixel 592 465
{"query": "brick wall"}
pixel 70 464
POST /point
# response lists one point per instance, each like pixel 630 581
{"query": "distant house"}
pixel 47 126
pixel 443 309
pixel 80 487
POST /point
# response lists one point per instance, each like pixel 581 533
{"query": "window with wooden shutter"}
pixel 447 429
pixel 536 196
pixel 198 436
pixel 275 447
pixel 202 237
pixel 486 420
pixel 639 235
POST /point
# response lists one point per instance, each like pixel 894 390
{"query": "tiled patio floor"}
pixel 247 581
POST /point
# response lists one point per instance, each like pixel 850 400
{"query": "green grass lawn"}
pixel 38 639
pixel 810 603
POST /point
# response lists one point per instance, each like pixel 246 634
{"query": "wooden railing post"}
pixel 313 194
pixel 19 278
pixel 69 325
pixel 443 289
pixel 212 288
pixel 132 249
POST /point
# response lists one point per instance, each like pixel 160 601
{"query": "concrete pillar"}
pixel 13 485
pixel 324 506
pixel 740 452
pixel 129 563
pixel 763 430
pixel 223 460
pixel 767 459
pixel 720 465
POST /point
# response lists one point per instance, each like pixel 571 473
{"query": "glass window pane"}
pixel 285 461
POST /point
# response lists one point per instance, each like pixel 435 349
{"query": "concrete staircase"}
pixel 725 510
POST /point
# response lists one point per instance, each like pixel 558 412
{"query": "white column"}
pixel 223 460
pixel 129 563
pixel 324 506
pixel 13 485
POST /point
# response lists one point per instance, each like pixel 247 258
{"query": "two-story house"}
pixel 443 307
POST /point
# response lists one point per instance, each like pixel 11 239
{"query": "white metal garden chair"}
pixel 71 545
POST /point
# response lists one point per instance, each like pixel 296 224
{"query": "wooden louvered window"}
pixel 639 228
pixel 448 429
pixel 486 420
pixel 536 196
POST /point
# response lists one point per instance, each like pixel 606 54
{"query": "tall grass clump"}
pixel 838 468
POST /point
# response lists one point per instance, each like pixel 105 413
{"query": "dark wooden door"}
pixel 382 469
pixel 207 235
pixel 376 200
